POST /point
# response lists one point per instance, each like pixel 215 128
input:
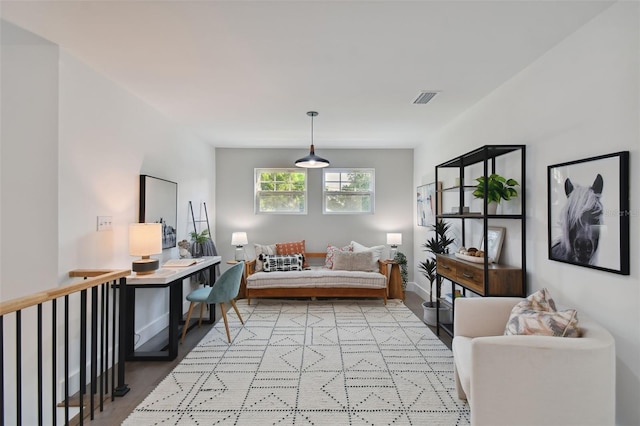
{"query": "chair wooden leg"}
pixel 226 323
pixel 201 312
pixel 186 324
pixel 235 308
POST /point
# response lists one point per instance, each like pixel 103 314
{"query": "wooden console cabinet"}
pixel 501 280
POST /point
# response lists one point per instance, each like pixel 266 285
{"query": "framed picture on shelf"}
pixel 159 204
pixel 495 238
pixel 426 197
pixel 588 202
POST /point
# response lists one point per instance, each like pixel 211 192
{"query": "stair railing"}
pixel 43 336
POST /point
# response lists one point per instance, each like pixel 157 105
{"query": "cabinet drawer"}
pixel 471 277
pixel 446 267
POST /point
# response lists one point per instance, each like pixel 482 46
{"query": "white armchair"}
pixel 531 380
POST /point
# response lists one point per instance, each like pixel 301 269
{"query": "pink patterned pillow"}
pixel 537 315
pixel 331 253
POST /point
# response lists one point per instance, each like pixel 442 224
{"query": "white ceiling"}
pixel 244 74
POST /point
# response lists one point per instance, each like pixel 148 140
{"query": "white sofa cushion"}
pixel 317 277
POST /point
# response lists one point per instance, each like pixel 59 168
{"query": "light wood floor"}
pixel 142 377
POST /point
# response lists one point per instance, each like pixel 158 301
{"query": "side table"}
pixel 395 281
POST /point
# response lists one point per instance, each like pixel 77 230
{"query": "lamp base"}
pixel 239 256
pixel 145 266
pixel 393 252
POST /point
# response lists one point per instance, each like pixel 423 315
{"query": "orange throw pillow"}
pixel 295 247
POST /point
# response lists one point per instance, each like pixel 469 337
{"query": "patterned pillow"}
pixel 537 315
pixel 296 247
pixel 331 252
pixel 263 249
pixel 345 261
pixel 277 262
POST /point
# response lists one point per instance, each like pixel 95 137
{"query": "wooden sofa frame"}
pixel 390 291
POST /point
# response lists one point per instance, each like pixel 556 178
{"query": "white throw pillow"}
pixel 375 250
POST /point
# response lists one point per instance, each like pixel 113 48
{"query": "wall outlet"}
pixel 105 223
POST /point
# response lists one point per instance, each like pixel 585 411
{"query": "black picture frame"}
pixel 588 212
pixel 159 204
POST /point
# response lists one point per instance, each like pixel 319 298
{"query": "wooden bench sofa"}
pixel 323 282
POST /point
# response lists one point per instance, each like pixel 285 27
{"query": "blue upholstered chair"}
pixel 224 290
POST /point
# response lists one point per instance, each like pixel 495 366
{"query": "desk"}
pixel 162 278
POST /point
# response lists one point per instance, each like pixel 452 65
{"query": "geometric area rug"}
pixel 300 362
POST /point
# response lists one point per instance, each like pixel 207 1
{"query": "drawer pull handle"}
pixel 464 274
pixel 445 267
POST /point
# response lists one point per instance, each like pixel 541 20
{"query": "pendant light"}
pixel 312 161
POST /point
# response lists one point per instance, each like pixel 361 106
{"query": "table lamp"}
pixel 394 239
pixel 239 239
pixel 145 239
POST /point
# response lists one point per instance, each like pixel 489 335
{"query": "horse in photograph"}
pixel 580 221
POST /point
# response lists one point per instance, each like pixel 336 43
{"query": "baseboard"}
pixel 419 290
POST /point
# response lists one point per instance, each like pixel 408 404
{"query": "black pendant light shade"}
pixel 312 161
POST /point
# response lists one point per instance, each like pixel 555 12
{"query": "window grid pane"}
pixel 281 191
pixel 348 191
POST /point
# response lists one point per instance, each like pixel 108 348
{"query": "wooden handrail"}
pixel 99 276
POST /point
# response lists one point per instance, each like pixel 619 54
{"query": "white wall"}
pixel 578 100
pixel 393 204
pixel 76 159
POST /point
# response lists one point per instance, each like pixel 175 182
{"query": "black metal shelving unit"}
pixel 486 155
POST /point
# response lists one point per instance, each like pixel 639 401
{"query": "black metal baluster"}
pixel 54 360
pixel 94 346
pixel 40 393
pixel 105 318
pixel 83 352
pixel 113 346
pixel 102 346
pixel 18 368
pixel 66 359
pixel 2 370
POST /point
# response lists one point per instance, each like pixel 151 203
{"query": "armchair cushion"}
pixel 537 315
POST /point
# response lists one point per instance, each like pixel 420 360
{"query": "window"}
pixel 281 191
pixel 348 191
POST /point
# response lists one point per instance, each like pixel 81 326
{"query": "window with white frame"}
pixel 348 191
pixel 281 191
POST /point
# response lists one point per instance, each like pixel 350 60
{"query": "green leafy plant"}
pixel 401 260
pixel 498 188
pixel 200 237
pixel 438 243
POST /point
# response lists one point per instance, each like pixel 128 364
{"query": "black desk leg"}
pixel 175 313
pixel 122 387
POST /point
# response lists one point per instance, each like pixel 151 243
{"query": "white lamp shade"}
pixel 394 238
pixel 239 239
pixel 145 239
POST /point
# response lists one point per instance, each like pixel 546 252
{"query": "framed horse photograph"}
pixel 588 202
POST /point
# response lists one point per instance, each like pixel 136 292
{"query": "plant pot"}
pixel 430 314
pixel 197 250
pixel 492 208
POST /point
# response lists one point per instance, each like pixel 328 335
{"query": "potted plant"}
pixel 438 244
pixel 198 241
pixel 498 188
pixel 401 260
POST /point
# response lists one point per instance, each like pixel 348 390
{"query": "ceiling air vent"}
pixel 424 97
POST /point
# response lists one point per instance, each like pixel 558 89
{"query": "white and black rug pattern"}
pixel 337 362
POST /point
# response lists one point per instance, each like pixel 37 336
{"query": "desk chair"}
pixel 224 290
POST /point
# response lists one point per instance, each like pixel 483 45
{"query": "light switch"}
pixel 105 223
